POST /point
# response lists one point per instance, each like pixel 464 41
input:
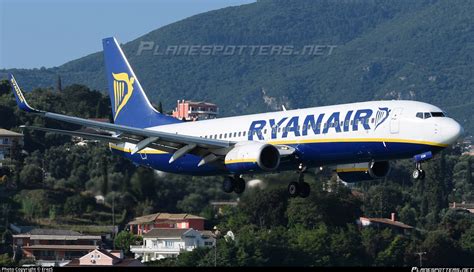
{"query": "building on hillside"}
pixel 143 224
pixel 80 141
pixel 102 257
pixel 191 111
pixel 163 243
pixel 52 246
pixel 10 145
pixel 463 206
pixel 391 223
pixel 219 205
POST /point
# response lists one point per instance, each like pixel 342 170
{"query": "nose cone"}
pixel 453 130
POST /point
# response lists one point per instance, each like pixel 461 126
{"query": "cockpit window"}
pixel 426 115
pixel 437 114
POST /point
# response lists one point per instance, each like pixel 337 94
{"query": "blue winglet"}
pixel 20 99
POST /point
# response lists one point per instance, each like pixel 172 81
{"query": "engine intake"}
pixel 252 156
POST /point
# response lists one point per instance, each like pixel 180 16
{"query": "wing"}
pixel 178 144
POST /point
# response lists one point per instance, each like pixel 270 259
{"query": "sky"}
pixel 49 33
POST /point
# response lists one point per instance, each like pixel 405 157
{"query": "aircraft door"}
pixel 395 121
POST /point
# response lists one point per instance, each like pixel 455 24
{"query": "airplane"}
pixel 358 139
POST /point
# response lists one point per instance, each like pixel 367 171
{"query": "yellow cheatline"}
pixel 342 140
pixel 240 161
pixel 343 170
pixel 128 150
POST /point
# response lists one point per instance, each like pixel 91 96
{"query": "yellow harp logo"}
pixel 123 89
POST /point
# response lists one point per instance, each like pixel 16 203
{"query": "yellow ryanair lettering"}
pixel 123 89
pixel 18 91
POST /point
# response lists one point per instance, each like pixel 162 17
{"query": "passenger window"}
pixel 265 131
pixel 419 115
pixel 240 133
pixel 245 132
pixel 235 134
pixel 427 115
pixel 220 136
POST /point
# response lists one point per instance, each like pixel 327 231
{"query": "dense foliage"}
pixel 55 181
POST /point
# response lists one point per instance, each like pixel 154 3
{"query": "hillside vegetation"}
pixel 419 50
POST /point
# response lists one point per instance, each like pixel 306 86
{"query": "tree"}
pixel 124 240
pixel 346 247
pixel 192 203
pixel 31 174
pixel 7 239
pixel 59 87
pixel 6 260
pixel 105 176
pixel 77 204
pixel 266 208
pixel 142 182
pixel 313 245
pixel 393 255
pixel 467 241
pixel 441 249
pixel 4 87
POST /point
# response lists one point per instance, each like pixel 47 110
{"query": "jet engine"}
pixel 252 156
pixel 355 172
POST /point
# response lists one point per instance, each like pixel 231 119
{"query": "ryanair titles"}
pixel 303 125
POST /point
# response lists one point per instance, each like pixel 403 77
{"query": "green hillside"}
pixel 419 50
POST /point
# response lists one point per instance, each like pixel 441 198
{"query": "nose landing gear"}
pixel 418 173
pixel 299 188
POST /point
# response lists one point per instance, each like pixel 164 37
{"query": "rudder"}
pixel 130 105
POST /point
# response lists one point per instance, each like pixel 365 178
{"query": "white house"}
pixel 162 243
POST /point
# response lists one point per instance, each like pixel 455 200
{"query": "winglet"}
pixel 20 99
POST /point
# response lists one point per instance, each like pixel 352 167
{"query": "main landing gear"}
pixel 299 188
pixel 418 173
pixel 233 184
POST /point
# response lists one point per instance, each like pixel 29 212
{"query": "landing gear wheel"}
pixel 293 189
pixel 418 173
pixel 304 189
pixel 228 185
pixel 239 185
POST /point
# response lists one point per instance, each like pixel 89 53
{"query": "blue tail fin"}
pixel 130 106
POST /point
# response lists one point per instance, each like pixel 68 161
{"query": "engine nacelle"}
pixel 355 172
pixel 252 156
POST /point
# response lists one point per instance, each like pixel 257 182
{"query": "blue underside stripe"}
pixel 312 154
